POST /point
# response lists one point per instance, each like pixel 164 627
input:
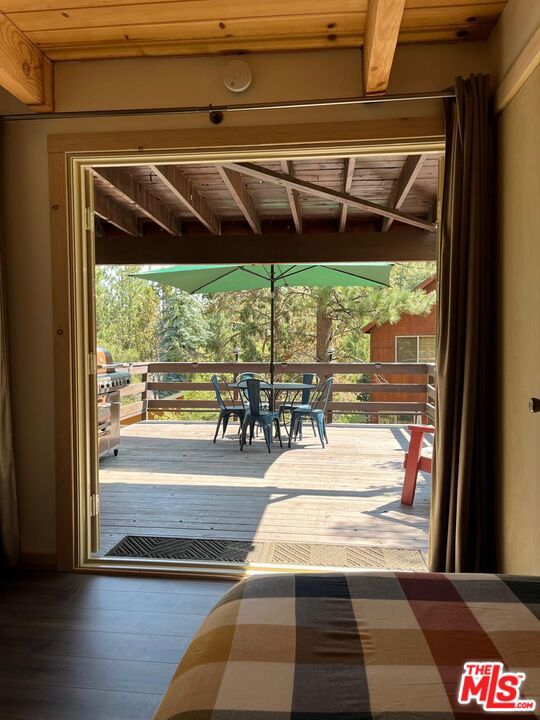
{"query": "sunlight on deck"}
pixel 169 479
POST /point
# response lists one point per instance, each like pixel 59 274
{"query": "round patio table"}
pixel 278 387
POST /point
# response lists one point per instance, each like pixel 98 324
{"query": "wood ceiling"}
pixel 301 197
pixel 89 29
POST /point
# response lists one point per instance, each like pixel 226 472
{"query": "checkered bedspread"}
pixel 355 647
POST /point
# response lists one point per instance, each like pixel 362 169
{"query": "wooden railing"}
pixel 149 379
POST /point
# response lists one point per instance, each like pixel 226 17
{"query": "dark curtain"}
pixel 462 525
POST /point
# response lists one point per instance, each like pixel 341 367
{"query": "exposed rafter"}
pixel 135 192
pixel 348 174
pixel 292 196
pixel 380 40
pixel 118 215
pixel 233 181
pixel 25 72
pixel 188 194
pixel 340 197
pixel 409 173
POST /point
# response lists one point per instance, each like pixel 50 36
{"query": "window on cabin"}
pixel 415 348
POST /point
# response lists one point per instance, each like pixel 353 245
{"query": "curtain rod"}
pixel 216 111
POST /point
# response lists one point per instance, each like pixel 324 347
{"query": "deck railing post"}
pixel 144 397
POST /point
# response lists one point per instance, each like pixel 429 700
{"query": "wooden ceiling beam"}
pixel 135 192
pixel 235 185
pixel 293 198
pixel 409 173
pixel 115 214
pixel 327 193
pixel 348 174
pixel 157 247
pixel 380 39
pixel 188 194
pixel 25 72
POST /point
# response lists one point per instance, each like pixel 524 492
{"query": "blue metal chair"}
pixel 314 411
pixel 303 396
pixel 256 414
pixel 226 409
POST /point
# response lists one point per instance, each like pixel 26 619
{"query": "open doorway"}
pixel 165 492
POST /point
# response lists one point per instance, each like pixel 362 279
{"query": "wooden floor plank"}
pixel 84 647
pixel 171 480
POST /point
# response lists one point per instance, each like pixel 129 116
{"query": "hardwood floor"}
pixel 89 647
pixel 169 479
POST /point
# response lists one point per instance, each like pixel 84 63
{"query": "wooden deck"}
pixel 170 480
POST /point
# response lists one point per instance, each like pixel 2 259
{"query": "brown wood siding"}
pixel 383 349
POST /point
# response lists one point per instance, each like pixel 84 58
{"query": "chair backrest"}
pixel 309 379
pixel 322 395
pixel 245 376
pixel 250 392
pixel 216 381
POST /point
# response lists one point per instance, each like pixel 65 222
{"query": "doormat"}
pixel 239 551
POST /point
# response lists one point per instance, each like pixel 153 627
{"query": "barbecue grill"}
pixel 111 378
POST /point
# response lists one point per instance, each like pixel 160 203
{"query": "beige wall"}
pixel 519 331
pixel 141 83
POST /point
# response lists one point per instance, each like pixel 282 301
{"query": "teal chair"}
pixel 299 399
pixel 226 409
pixel 314 412
pixel 256 415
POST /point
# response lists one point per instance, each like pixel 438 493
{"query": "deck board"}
pixel 169 479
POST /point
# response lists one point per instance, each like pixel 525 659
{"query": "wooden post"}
pixel 144 397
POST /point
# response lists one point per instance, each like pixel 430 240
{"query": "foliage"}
pixel 139 320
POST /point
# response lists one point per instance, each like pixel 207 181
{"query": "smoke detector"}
pixel 237 76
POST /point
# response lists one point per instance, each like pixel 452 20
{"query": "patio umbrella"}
pixel 208 279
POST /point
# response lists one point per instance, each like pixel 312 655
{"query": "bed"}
pixel 355 646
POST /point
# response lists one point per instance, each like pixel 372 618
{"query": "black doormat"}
pixel 240 551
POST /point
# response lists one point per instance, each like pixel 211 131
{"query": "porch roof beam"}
pixel 409 173
pixel 188 194
pixel 292 197
pixel 348 174
pixel 118 215
pixel 311 189
pixel 380 40
pixel 235 185
pixel 135 192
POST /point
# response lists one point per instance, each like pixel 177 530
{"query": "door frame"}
pixel 70 157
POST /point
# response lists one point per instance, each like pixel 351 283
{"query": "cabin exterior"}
pixel 411 339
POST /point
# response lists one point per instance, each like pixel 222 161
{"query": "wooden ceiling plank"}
pixel 135 192
pixel 188 194
pixel 327 193
pixel 25 72
pixel 409 173
pixel 380 41
pixel 235 185
pixel 348 174
pixel 293 198
pixel 115 214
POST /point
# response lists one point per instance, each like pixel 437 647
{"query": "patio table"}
pixel 278 387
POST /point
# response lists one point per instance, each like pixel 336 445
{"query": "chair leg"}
pixel 324 428
pixel 320 427
pixel 313 428
pixel 251 431
pixel 218 426
pixel 291 430
pixel 267 431
pixel 278 430
pixel 225 423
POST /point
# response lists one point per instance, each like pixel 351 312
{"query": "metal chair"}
pixel 226 410
pixel 305 395
pixel 314 411
pixel 256 415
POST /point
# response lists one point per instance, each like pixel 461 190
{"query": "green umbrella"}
pixel 207 279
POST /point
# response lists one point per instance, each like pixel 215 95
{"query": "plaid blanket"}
pixel 355 647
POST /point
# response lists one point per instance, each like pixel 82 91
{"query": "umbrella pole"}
pixel 272 319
